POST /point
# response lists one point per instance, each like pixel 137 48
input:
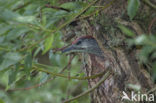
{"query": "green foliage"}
pixel 133 6
pixel 10 58
pixel 126 31
pixel 147 52
pixel 1 101
pixel 28 63
pixel 149 46
pixel 12 74
pixel 48 43
pixel 146 42
pixel 28 33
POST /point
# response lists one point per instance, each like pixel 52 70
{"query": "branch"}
pixel 31 87
pixel 40 84
pixel 21 6
pixel 150 25
pixel 152 90
pixel 2 87
pixel 58 8
pixel 91 89
pixel 96 11
pixel 72 77
pixel 59 75
pixel 150 4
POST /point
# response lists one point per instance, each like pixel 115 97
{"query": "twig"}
pixel 58 8
pixel 2 87
pixel 150 4
pixel 21 6
pixel 72 77
pixel 69 66
pixel 31 87
pixel 59 49
pixel 152 90
pixel 91 89
pixel 4 49
pixel 97 11
pixel 150 25
pixel 40 84
pixel 59 75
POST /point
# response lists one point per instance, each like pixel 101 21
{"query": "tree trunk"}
pixel 127 71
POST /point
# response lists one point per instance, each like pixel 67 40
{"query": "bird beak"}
pixel 68 49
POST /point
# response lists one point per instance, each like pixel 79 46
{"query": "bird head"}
pixel 84 44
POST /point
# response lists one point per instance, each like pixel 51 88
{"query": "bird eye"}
pixel 78 43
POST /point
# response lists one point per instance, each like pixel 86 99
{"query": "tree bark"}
pixel 118 57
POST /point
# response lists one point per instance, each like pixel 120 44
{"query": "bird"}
pixel 88 44
pixel 98 60
pixel 85 44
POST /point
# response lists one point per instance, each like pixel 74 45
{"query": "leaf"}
pixel 14 33
pixel 12 74
pixel 1 101
pixel 126 31
pixel 55 59
pixel 8 15
pixel 140 40
pixel 48 43
pixel 44 77
pixel 4 28
pixel 58 39
pixel 74 6
pixel 69 5
pixel 44 20
pixel 37 51
pixel 144 53
pixel 28 63
pixel 133 6
pixel 135 87
pixel 25 19
pixel 10 59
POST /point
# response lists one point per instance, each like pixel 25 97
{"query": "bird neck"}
pixel 98 53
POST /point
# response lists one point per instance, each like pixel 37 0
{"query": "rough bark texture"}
pixel 118 57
